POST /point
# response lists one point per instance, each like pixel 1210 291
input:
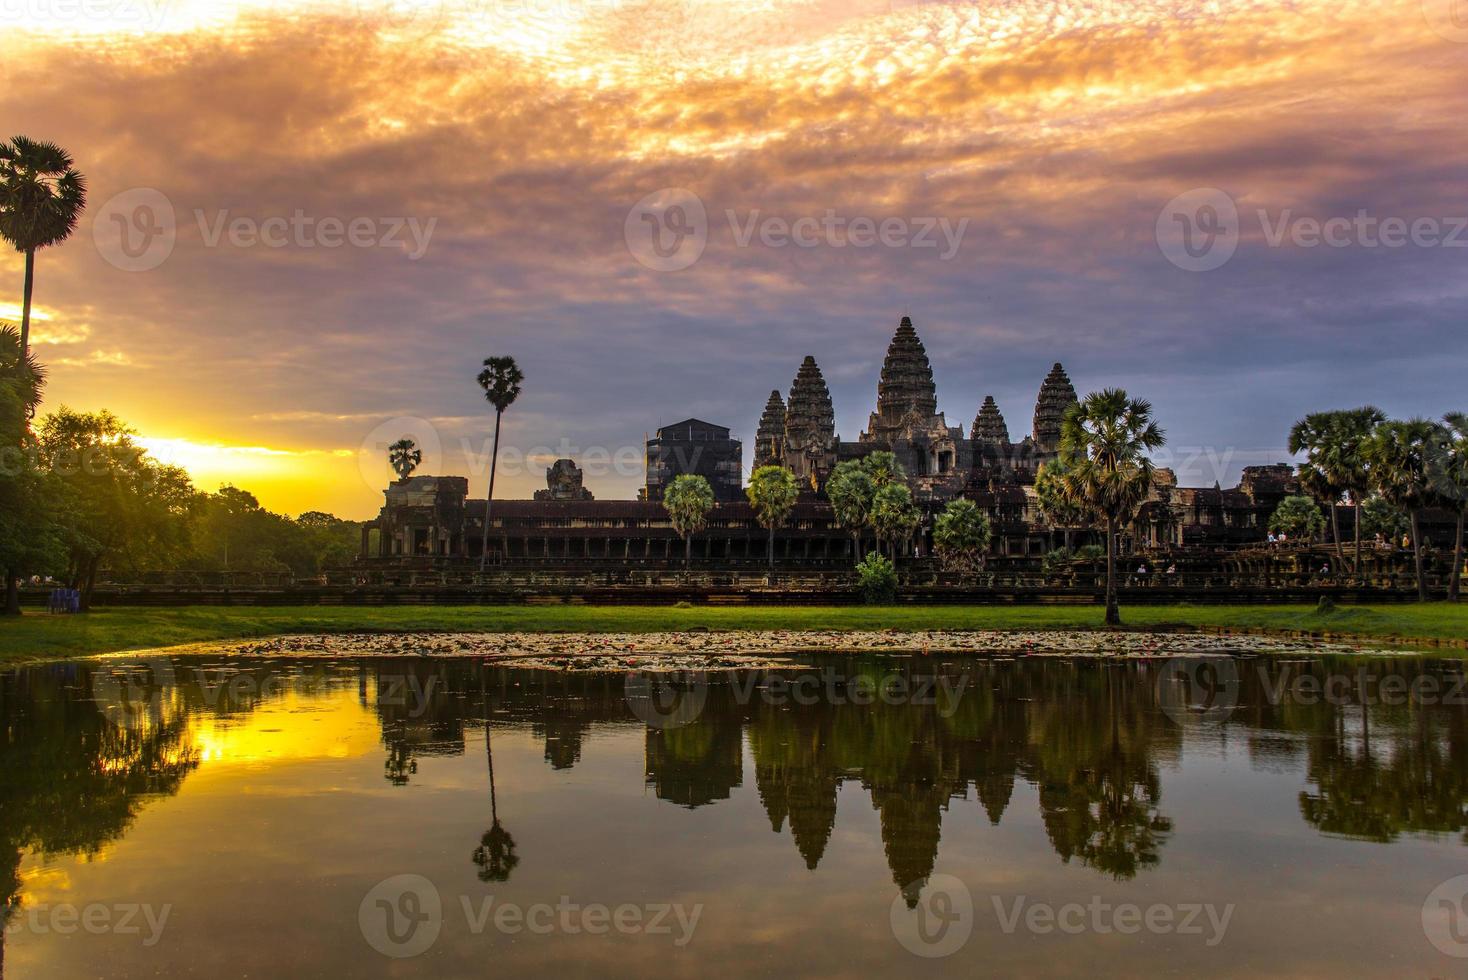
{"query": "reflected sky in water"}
pixel 803 812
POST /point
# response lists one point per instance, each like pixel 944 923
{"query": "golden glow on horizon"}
pixel 287 728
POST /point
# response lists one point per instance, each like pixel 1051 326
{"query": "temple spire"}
pixel 906 385
pixel 769 440
pixel 1056 395
pixel 989 425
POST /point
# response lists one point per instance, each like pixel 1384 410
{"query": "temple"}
pixel 428 516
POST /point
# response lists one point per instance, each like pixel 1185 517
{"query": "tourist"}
pixel 1273 541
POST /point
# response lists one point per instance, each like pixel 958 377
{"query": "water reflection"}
pixel 83 749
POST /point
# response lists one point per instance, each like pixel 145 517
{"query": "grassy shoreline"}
pixel 39 636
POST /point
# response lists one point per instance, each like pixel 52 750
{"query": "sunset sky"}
pixel 500 146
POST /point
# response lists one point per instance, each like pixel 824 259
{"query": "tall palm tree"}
pixel 1334 465
pixel 1399 455
pixel 404 456
pixel 1450 473
pixel 1104 440
pixel 23 526
pixel 495 855
pixel 688 502
pixel 41 199
pixel 1314 435
pixel 850 491
pixel 500 379
pixel 772 491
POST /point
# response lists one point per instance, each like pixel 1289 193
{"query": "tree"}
pixel 1104 440
pixel 1297 516
pixel 883 467
pixel 1450 483
pixel 1398 454
pixel 1380 517
pixel 1054 504
pixel 404 456
pixel 29 539
pixel 1333 464
pixel 121 508
pixel 850 490
pixel 688 502
pixel 772 491
pixel 501 380
pixel 961 536
pixel 41 199
pixel 894 515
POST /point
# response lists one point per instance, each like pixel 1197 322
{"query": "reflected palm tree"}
pixel 495 855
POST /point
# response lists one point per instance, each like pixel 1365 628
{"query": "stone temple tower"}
pixel 906 385
pixel 769 440
pixel 1056 395
pixel 810 426
pixel 989 426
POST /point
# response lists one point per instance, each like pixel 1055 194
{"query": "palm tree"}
pixel 894 516
pixel 688 502
pixel 1450 472
pixel 772 491
pixel 850 490
pixel 403 456
pixel 961 536
pixel 41 198
pixel 1334 465
pixel 27 532
pixel 1053 502
pixel 495 855
pixel 500 379
pixel 1399 454
pixel 1104 440
pixel 1314 435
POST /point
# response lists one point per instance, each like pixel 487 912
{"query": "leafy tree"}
pixel 894 515
pixel 688 502
pixel 41 199
pixel 1398 454
pixel 1055 505
pixel 1297 516
pixel 29 539
pixel 877 578
pixel 1380 517
pixel 1104 440
pixel 1334 465
pixel 404 456
pixel 772 491
pixel 1450 483
pixel 501 380
pixel 122 508
pixel 883 467
pixel 961 536
pixel 850 490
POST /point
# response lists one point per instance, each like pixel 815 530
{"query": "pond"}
pixel 428 817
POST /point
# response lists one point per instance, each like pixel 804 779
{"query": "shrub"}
pixel 878 580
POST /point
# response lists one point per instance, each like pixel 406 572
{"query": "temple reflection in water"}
pixel 83 752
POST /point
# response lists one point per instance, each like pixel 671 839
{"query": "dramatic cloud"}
pixel 366 201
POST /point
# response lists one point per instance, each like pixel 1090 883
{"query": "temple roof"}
pixel 809 409
pixel 906 384
pixel 770 436
pixel 989 425
pixel 1056 395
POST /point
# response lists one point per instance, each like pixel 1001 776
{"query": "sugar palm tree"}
pixel 1399 454
pixel 772 491
pixel 1104 440
pixel 1450 477
pixel 894 516
pixel 1054 503
pixel 403 456
pixel 688 502
pixel 41 199
pixel 850 490
pixel 500 379
pixel 1334 465
pixel 961 536
pixel 495 856
pixel 1314 435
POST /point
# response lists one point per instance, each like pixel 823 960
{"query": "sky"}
pixel 309 223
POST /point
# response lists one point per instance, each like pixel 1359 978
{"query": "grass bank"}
pixel 39 636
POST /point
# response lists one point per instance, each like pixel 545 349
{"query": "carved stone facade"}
pixel 810 427
pixel 769 440
pixel 563 481
pixel 694 446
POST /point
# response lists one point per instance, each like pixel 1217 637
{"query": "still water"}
pixel 881 815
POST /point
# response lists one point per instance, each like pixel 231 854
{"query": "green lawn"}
pixel 38 635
